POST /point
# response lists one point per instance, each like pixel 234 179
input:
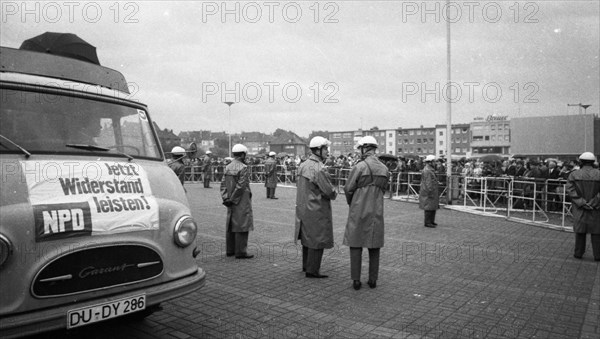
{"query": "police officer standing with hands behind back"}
pixel 364 191
pixel 583 186
pixel 271 175
pixel 236 195
pixel 314 220
pixel 429 199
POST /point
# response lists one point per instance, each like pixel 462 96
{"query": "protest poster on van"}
pixel 89 198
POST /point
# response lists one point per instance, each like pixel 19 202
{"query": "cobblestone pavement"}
pixel 471 277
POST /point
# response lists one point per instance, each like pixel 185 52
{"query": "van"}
pixel 94 225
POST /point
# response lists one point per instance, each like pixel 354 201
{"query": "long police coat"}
pixel 270 173
pixel 583 186
pixel 207 166
pixel 236 187
pixel 364 190
pixel 313 205
pixel 429 198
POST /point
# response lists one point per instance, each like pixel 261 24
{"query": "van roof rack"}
pixel 55 66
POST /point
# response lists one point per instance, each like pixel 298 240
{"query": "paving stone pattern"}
pixel 471 277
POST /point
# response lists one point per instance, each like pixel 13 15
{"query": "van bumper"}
pixel 34 322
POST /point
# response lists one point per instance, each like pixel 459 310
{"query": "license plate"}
pixel 99 312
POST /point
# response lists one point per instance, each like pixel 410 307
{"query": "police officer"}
pixel 207 169
pixel 364 189
pixel 314 220
pixel 271 175
pixel 236 195
pixel 177 164
pixel 583 186
pixel 429 199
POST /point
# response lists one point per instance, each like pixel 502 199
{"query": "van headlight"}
pixel 185 231
pixel 5 249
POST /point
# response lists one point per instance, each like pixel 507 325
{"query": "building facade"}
pixel 415 141
pixel 491 135
pixel 460 138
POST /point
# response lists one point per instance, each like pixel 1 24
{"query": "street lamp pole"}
pixel 448 110
pixel 229 103
pixel 585 107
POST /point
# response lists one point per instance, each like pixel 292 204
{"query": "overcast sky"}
pixel 334 65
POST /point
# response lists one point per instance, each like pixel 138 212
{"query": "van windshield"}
pixel 53 123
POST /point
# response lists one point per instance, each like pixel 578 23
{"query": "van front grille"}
pixel 97 268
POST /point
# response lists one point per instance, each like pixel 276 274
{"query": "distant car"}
pixel 94 223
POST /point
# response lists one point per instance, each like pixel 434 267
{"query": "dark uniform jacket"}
pixel 179 168
pixel 313 205
pixel 235 192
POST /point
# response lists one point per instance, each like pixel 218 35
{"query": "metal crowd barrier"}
pixel 535 201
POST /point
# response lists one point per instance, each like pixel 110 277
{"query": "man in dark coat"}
pixel 236 195
pixel 271 175
pixel 429 199
pixel 364 189
pixel 314 219
pixel 207 169
pixel 583 186
pixel 177 164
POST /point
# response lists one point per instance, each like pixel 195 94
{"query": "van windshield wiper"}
pixel 97 148
pixel 27 154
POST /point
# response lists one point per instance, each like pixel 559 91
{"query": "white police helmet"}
pixel 367 141
pixel 318 142
pixel 208 152
pixel 587 156
pixel 430 157
pixel 178 150
pixel 272 154
pixel 239 148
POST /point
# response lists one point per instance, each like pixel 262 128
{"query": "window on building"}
pixel 441 133
pixel 418 141
pixel 493 127
pixel 441 152
pixel 391 135
pixel 487 138
pixel 464 150
pixel 500 127
pixel 441 143
pixel 478 138
pixel 418 132
pixel 412 141
pixel 390 144
pixel 406 141
pixel 399 150
pixel 457 150
pixel 337 135
pixel 493 138
pixel 347 135
pixel 411 132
